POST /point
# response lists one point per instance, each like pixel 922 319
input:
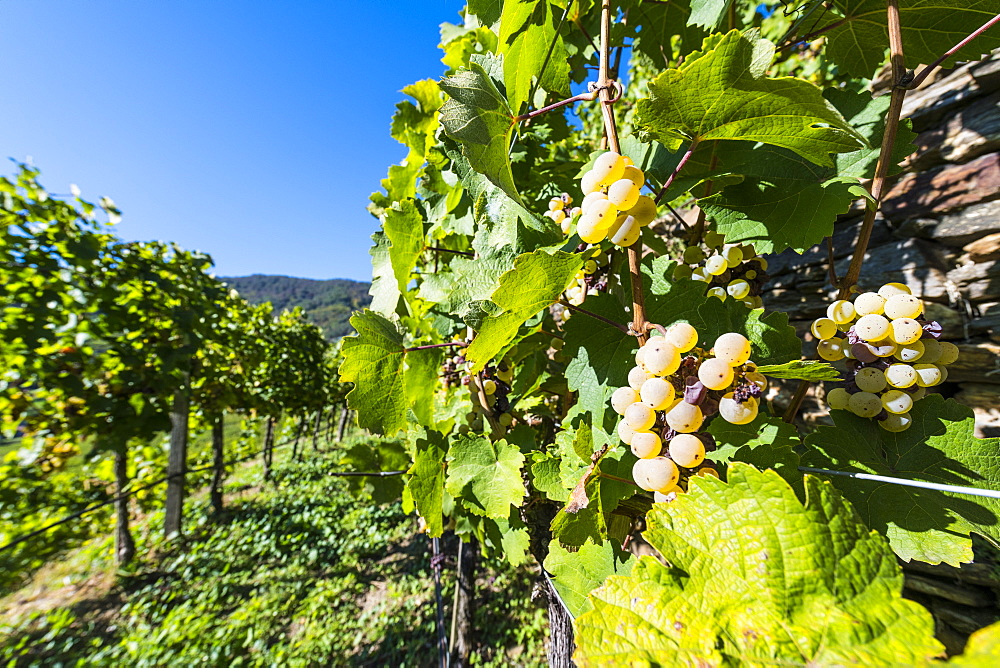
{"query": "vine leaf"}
pixel 707 13
pixel 404 227
pixel 535 282
pixel 491 472
pixel 576 574
pixel 784 201
pixel 801 370
pixel 477 116
pixel 721 93
pixel 384 288
pixel 426 482
pixel 527 29
pixel 938 447
pixel 929 27
pixel 742 585
pixel 373 361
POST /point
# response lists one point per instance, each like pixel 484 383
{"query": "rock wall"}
pixel 938 232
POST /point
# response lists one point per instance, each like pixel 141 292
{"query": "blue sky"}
pixel 251 130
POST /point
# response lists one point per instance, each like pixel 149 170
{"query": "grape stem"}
pixel 606 321
pixel 919 79
pixel 582 97
pixel 677 170
pixel 614 477
pixel 816 33
pixel 604 87
pixel 897 60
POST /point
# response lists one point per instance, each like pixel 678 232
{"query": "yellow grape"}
pixel 686 450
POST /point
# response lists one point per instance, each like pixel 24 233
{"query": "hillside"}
pixel 328 303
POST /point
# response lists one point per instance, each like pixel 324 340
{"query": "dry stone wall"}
pixel 938 232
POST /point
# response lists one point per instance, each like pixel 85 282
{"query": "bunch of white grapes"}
pixel 612 207
pixel 592 276
pixel 892 354
pixel 730 270
pixel 562 212
pixel 672 389
pixel 495 383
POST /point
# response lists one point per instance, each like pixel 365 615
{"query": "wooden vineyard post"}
pixel 177 461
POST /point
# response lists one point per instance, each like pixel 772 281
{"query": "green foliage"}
pixel 576 574
pixel 921 524
pixel 490 472
pixel 754 575
pixel 299 575
pixel 721 93
pixel 929 27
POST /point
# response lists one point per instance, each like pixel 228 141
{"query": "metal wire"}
pixel 956 489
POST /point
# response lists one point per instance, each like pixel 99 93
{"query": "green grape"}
pixel 949 352
pixel 622 398
pixel 644 210
pixel 701 274
pixel 884 348
pixel 900 375
pixel 910 351
pixel 716 265
pixel 625 231
pixel 605 213
pixel 661 357
pixel 718 293
pixel 749 252
pixel 693 255
pixel 869 303
pixel 750 275
pixel 932 351
pixel 903 306
pixel 639 416
pixel 831 349
pixel 905 330
pixel 733 348
pixel 623 194
pixel 685 417
pixel 590 182
pixel 896 422
pixel 646 444
pixel 655 475
pixel 870 379
pixel 840 311
pixel 928 375
pixel 733 255
pixel 637 376
pixel 735 412
pixel 872 327
pixel 864 404
pixel 589 267
pixel 838 399
pixel 890 289
pixel 897 401
pixel 738 289
pixel 657 393
pixel 683 336
pixel 608 168
pixel 714 239
pixel 823 329
pixel 589 200
pixel 686 450
pixel 757 378
pixel 625 432
pixel 635 175
pixel 681 272
pixel 590 230
pixel 716 373
pixel 505 419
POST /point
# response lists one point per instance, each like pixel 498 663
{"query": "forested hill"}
pixel 328 303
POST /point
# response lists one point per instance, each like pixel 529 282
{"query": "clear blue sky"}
pixel 251 130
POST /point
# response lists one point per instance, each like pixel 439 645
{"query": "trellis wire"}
pixel 956 489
